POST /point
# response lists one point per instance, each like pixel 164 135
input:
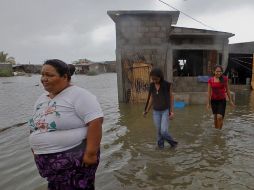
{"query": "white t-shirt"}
pixel 59 124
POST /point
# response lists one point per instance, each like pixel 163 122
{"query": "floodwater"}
pixel 204 159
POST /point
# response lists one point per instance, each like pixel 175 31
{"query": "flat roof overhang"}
pixel 182 32
pixel 114 15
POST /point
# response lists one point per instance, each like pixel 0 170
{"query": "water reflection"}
pixel 204 159
pixel 252 100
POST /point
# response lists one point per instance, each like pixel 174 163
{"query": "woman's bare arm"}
pixel 93 140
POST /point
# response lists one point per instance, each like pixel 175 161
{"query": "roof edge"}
pixel 209 32
pixel 115 14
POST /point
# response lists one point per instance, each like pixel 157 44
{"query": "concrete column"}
pixel 142 36
pixel 225 54
pixel 119 75
pixel 169 64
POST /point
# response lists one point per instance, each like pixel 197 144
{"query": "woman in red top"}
pixel 217 90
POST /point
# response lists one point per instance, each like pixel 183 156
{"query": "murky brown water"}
pixel 205 158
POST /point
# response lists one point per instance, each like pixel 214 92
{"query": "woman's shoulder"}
pixel 43 96
pixel 225 77
pixel 152 84
pixel 42 99
pixel 79 91
pixel 166 83
pixel 77 95
pixel 210 79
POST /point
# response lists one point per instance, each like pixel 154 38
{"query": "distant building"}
pixel 110 66
pixel 81 68
pixel 95 67
pixel 27 68
pixel 240 61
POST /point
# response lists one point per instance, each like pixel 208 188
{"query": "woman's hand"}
pixel 171 115
pixel 232 103
pixel 208 106
pixel 145 113
pixel 32 152
pixel 89 159
pixel 93 139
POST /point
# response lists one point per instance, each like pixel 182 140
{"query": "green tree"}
pixel 4 58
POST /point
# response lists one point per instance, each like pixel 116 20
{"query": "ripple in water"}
pixel 204 159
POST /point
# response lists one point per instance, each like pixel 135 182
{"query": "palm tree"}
pixel 5 59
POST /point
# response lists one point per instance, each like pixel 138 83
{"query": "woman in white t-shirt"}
pixel 66 130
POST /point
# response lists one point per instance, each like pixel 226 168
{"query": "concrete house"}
pixel 147 38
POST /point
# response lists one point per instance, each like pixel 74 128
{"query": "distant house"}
pixel 82 68
pixel 27 68
pixel 95 67
pixel 110 66
pixel 240 62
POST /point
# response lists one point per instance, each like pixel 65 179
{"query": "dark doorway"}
pixel 193 62
pixel 239 68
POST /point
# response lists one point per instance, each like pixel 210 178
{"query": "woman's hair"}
pixel 61 67
pixel 157 73
pixel 71 69
pixel 221 68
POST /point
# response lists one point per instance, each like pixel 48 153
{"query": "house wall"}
pixel 195 97
pixel 97 68
pixel 188 84
pixel 152 40
pixel 191 91
pixel 110 67
pixel 141 38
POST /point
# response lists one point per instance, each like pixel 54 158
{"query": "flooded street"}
pixel 205 158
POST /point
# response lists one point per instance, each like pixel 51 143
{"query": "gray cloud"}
pixel 36 30
pixel 201 7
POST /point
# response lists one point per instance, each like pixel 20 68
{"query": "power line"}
pixel 241 65
pixel 243 57
pixel 241 61
pixel 187 15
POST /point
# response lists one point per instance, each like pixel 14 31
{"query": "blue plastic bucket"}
pixel 179 104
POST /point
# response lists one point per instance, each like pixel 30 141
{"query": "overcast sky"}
pixel 36 30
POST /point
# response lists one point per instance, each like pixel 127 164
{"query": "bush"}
pixel 5 73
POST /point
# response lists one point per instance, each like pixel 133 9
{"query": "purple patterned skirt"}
pixel 64 170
